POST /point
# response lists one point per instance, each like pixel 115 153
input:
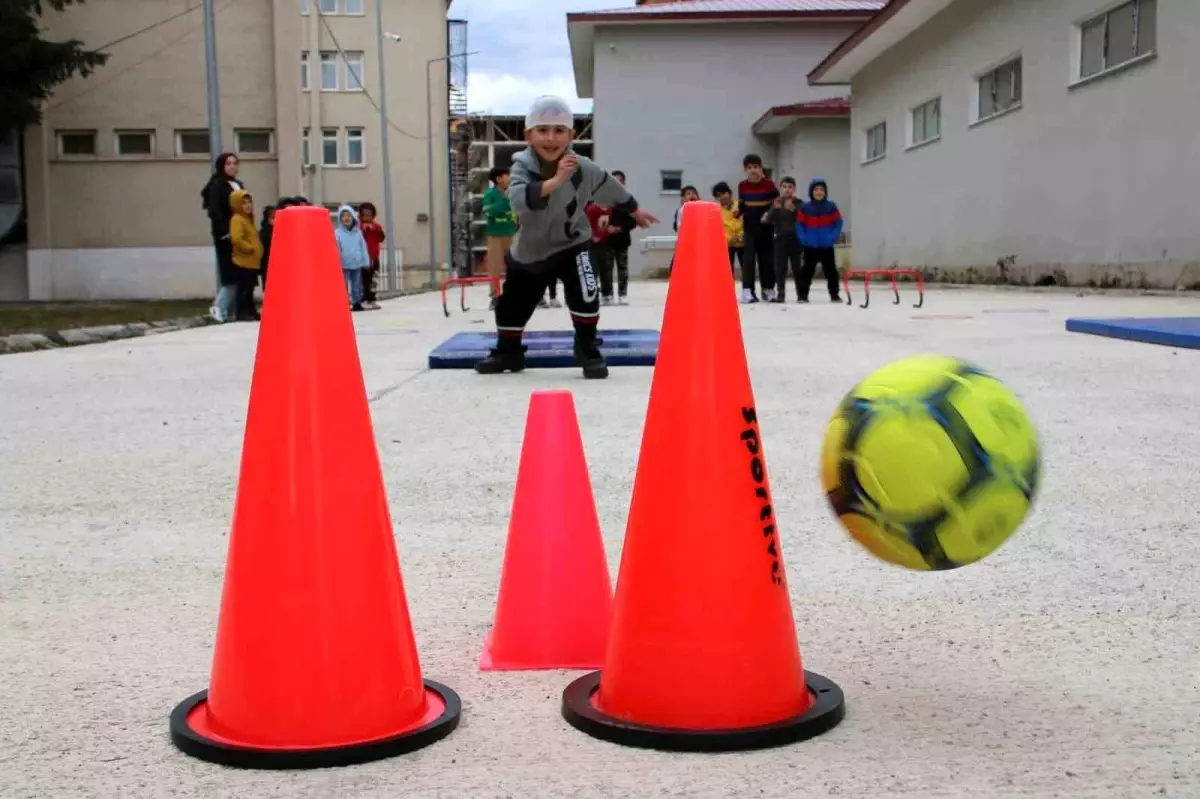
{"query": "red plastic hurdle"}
pixel 463 282
pixel 867 274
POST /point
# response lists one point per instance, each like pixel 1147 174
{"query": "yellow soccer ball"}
pixel 930 463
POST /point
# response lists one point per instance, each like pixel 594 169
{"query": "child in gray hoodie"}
pixel 550 190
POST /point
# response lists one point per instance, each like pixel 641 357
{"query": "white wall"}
pixel 684 96
pixel 132 273
pixel 819 148
pixel 1097 182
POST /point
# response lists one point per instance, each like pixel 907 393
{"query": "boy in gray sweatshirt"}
pixel 550 189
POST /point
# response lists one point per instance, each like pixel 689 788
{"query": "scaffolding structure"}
pixel 459 156
pixel 493 140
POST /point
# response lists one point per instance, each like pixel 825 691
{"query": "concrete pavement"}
pixel 1063 666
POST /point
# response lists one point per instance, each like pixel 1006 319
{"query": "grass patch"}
pixel 41 317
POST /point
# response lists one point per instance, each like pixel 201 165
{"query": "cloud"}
pixel 523 51
pixel 506 93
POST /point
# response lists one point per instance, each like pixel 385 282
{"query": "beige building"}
pixel 112 178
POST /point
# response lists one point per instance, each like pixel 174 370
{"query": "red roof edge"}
pixel 855 39
pixel 833 107
pixel 814 109
pixel 669 16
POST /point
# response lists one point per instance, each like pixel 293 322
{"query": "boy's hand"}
pixel 566 167
pixel 644 219
pixel 791 206
pixel 778 202
pixel 604 223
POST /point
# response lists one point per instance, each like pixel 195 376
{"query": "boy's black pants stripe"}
pixel 524 285
pixel 758 257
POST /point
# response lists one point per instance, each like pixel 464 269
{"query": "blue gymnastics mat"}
pixel 549 349
pixel 1170 331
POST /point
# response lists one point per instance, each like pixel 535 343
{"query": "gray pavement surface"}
pixel 1066 665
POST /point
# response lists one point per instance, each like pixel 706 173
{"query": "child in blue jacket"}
pixel 819 227
pixel 352 247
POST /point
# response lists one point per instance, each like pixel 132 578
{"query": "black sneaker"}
pixel 356 307
pixel 592 361
pixel 502 359
pixel 835 299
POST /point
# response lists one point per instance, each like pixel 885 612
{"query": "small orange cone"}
pixel 555 602
pixel 702 655
pixel 315 663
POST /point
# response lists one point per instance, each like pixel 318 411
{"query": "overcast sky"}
pixel 523 51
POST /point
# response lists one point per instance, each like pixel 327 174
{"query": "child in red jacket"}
pixel 600 249
pixel 373 232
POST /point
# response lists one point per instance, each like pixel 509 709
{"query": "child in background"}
pixel 782 218
pixel 265 231
pixel 620 226
pixel 755 195
pixel 733 224
pixel 819 227
pixel 551 186
pixel 374 235
pixel 501 226
pixel 352 248
pixel 600 249
pixel 687 194
pixel 247 254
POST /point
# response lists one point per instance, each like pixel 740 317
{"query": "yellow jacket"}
pixel 247 246
pixel 734 231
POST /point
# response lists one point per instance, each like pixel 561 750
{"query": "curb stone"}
pixel 48 340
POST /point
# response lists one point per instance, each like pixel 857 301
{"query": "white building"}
pixel 683 90
pixel 1027 140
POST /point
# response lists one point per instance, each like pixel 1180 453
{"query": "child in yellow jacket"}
pixel 732 217
pixel 247 253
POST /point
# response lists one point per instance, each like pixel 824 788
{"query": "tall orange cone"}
pixel 555 602
pixel 702 655
pixel 315 663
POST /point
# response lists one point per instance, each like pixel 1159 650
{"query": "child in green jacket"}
pixel 501 225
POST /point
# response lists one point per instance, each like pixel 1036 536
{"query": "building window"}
pixel 329 72
pixel 254 142
pixel 356 153
pixel 304 72
pixel 192 143
pixel 328 6
pixel 927 122
pixel 876 147
pixel 354 7
pixel 77 143
pixel 999 89
pixel 305 151
pixel 330 148
pixel 354 72
pixel 135 142
pixel 1117 37
pixel 303 6
pixel 672 180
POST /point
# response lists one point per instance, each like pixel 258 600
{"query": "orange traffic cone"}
pixel 315 663
pixel 702 655
pixel 555 602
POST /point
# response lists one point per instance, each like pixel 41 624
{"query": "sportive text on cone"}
pixel 702 654
pixel 315 663
pixel 555 601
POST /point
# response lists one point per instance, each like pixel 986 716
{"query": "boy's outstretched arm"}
pixel 608 191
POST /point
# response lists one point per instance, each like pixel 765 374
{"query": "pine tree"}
pixel 30 66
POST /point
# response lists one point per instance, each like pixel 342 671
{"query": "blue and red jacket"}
pixel 819 224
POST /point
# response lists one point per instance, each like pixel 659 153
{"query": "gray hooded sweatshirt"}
pixel 558 222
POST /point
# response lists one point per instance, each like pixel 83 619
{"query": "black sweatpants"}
pixel 735 254
pixel 787 252
pixel 826 258
pixel 524 285
pixel 758 256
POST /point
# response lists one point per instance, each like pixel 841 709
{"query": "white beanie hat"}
pixel 549 110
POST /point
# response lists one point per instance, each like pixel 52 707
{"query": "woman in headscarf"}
pixel 215 202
